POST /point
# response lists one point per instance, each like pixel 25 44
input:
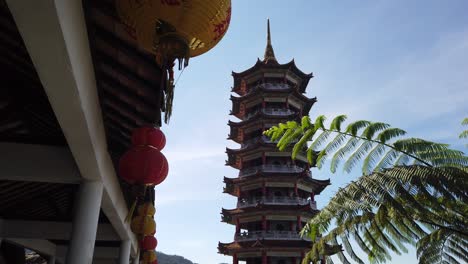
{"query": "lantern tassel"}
pixel 131 211
pixel 169 93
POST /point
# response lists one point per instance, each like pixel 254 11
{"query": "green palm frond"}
pixel 412 192
pixel 337 121
pixel 397 214
pixel 378 146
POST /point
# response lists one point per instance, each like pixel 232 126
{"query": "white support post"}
pixel 136 260
pixel 124 255
pixel 85 223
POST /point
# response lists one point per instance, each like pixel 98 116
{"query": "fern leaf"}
pixel 373 128
pixel 331 146
pixel 390 133
pixel 357 155
pixel 320 140
pixel 302 143
pixel 306 123
pixel 354 127
pixel 336 122
pixel 319 122
pixel 342 152
pixel 372 158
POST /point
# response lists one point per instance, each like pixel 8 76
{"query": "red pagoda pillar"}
pixel 264 257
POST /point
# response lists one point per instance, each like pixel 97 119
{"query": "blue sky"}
pixel 400 62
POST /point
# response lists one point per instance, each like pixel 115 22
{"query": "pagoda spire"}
pixel 269 53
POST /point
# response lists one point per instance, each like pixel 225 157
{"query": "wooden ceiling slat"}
pixel 123 110
pixel 18 197
pixel 118 119
pixel 109 83
pixel 126 98
pixel 117 129
pixel 141 87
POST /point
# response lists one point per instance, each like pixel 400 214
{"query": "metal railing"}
pixel 270 111
pixel 270 168
pixel 277 111
pixel 271 235
pixel 275 86
pixel 276 201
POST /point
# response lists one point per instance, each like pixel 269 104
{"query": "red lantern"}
pixel 144 165
pixel 148 243
pixel 148 135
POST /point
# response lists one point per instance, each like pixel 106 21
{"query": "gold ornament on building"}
pixel 175 29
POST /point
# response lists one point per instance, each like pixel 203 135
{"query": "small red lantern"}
pixel 148 243
pixel 149 135
pixel 144 165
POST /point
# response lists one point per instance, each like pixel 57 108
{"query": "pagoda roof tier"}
pixel 262 70
pixel 304 182
pixel 238 129
pixel 237 157
pixel 275 92
pixel 272 212
pixel 256 246
pixel 267 113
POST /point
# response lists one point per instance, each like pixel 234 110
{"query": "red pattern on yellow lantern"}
pixel 175 30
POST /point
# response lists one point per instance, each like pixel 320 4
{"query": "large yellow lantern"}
pixel 200 24
pixel 175 29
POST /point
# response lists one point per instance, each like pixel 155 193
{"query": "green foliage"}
pixel 412 192
pixel 377 145
pixel 464 134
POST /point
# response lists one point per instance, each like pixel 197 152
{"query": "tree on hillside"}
pixel 411 192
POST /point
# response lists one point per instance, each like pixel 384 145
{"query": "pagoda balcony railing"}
pixel 277 111
pixel 271 235
pixel 275 86
pixel 276 201
pixel 270 111
pixel 270 168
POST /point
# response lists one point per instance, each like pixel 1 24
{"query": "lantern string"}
pixel 178 77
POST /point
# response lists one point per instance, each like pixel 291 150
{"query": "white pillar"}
pixel 124 255
pixel 136 260
pixel 51 260
pixel 85 223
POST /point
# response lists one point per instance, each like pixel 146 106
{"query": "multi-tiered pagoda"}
pixel 275 194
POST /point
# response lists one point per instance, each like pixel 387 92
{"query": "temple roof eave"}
pixel 291 65
pixel 319 185
pixel 239 246
pixel 239 211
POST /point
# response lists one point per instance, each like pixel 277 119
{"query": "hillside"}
pixel 172 259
